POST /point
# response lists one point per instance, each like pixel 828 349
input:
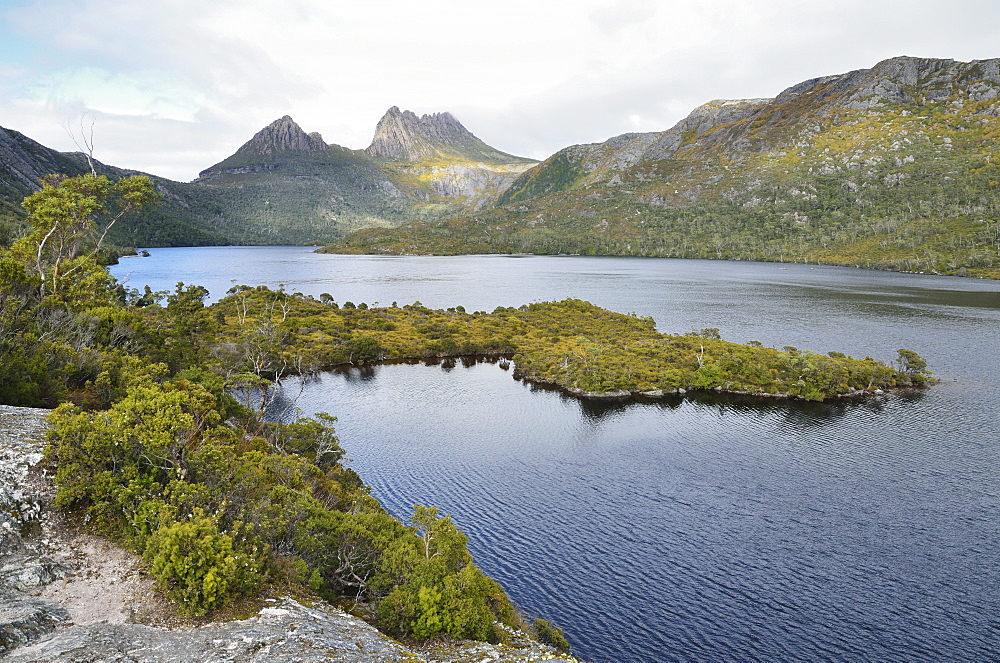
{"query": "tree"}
pixel 71 215
pixel 912 365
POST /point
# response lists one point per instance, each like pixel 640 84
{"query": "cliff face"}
pixel 68 597
pixel 402 136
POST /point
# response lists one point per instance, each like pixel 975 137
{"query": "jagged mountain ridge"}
pixel 291 182
pixel 892 167
pixel 402 136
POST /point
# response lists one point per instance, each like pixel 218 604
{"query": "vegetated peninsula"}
pixel 573 345
pixel 894 167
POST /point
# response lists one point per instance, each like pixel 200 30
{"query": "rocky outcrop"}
pixel 257 154
pixel 402 136
pixel 24 566
pixel 285 631
pixel 68 597
pixel 283 135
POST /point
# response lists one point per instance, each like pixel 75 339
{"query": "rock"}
pixel 282 135
pixel 256 155
pixel 25 620
pixel 288 631
pixel 402 136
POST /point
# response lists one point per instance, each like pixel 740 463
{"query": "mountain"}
pixel 284 185
pixel 176 220
pixel 402 136
pixel 894 167
pixel 287 186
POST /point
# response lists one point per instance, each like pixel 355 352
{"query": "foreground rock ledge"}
pixel 67 596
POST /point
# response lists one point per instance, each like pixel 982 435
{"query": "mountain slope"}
pixel 285 185
pixel 22 163
pixel 175 221
pixel 891 167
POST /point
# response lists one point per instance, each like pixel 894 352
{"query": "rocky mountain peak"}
pixel 403 136
pixel 283 135
pixel 900 80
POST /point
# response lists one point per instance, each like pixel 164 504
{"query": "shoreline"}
pixel 619 396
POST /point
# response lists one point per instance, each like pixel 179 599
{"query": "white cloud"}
pixel 151 94
pixel 187 82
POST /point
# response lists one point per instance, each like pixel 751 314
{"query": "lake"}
pixel 712 529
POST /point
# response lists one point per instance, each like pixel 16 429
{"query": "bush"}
pixel 200 567
pixel 551 635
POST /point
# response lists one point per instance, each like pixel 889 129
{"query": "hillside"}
pixel 179 219
pixel 890 167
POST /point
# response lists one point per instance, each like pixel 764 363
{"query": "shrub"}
pixel 200 567
pixel 549 634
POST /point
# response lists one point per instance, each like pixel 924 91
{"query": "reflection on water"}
pixel 725 528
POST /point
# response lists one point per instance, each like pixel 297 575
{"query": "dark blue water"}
pixel 712 530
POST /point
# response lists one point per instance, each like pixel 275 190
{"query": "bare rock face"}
pixel 283 135
pixel 402 136
pixel 24 566
pixel 286 631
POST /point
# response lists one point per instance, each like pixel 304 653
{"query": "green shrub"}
pixel 200 567
pixel 552 635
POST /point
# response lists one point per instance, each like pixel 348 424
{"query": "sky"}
pixel 171 87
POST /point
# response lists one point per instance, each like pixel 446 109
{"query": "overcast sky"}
pixel 174 86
